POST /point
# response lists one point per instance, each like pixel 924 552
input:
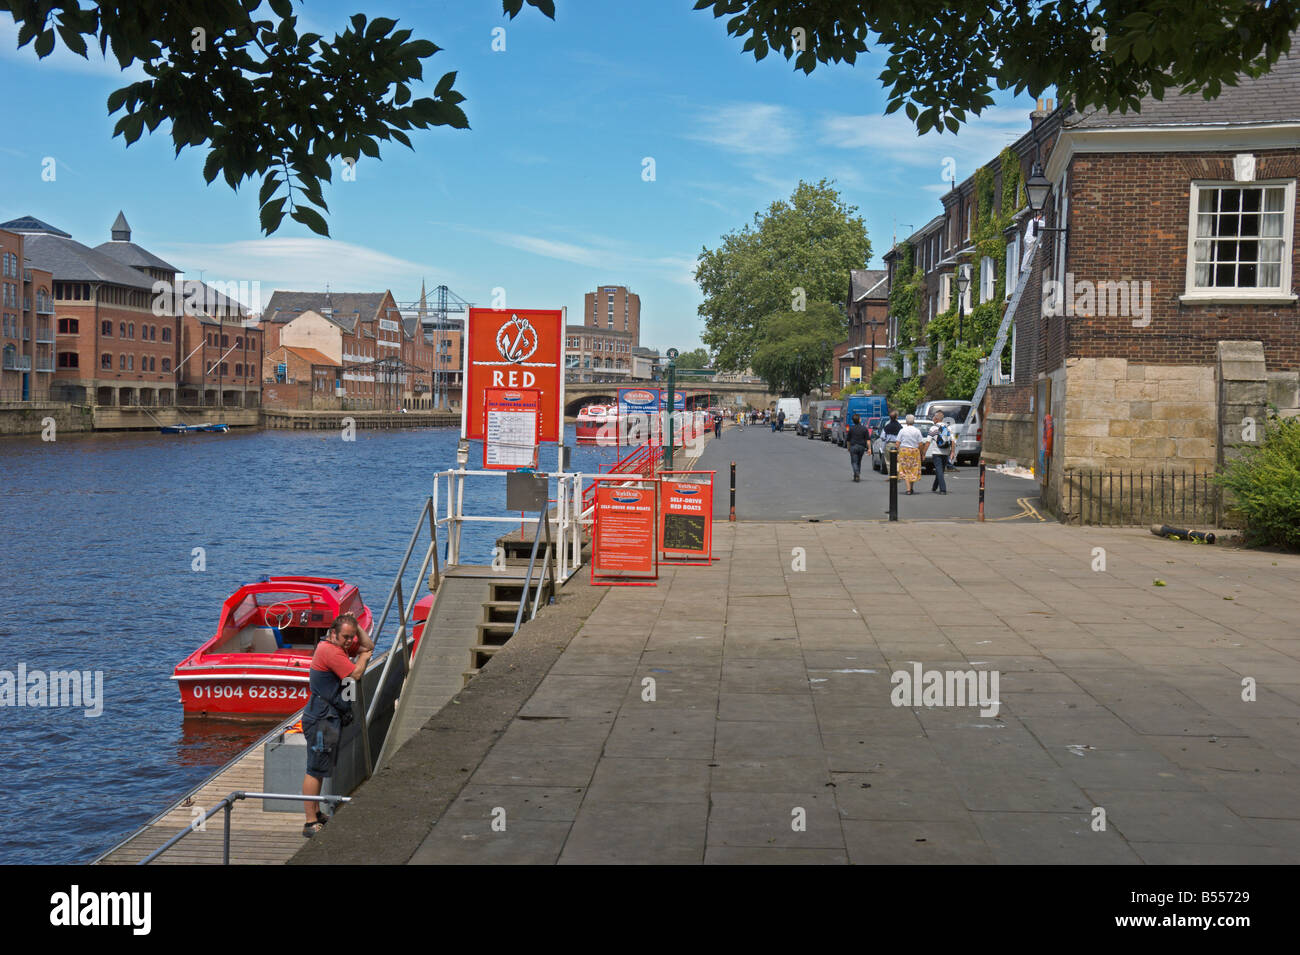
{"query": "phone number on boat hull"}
pixel 224 692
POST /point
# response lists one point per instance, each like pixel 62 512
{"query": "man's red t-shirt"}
pixel 329 657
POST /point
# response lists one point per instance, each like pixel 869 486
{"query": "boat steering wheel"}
pixel 279 620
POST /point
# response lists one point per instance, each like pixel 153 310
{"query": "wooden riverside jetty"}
pixel 472 617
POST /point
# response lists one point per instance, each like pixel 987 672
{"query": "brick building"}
pixel 868 318
pixel 295 377
pixel 362 331
pixel 26 324
pixel 613 308
pixel 1166 311
pixel 596 354
pixel 106 324
pixel 221 352
pixel 386 356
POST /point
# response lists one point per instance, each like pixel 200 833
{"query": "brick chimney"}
pixel 1044 109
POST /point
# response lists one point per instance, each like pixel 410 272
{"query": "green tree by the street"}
pixel 800 251
pixel 695 358
pixel 946 56
pixel 796 348
pixel 268 102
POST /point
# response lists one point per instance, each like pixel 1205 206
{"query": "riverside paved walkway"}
pixel 772 737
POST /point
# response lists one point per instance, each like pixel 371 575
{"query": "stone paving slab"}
pixel 772 737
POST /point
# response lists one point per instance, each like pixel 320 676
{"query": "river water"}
pixel 97 556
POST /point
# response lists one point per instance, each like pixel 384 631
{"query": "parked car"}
pixel 825 427
pixel 964 420
pixel 802 426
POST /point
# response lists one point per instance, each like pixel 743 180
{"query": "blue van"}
pixel 865 407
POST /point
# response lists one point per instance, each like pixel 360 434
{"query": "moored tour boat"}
pixel 596 422
pixel 256 664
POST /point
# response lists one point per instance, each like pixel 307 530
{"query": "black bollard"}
pixel 981 487
pixel 893 483
pixel 733 492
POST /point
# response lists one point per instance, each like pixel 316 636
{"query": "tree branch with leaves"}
pixel 266 101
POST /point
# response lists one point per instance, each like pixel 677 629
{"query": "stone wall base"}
pixel 1009 437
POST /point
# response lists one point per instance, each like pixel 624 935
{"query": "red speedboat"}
pixel 256 664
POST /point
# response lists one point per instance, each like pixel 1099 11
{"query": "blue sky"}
pixel 544 195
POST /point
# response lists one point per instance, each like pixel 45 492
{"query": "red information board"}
pixel 686 515
pixel 624 546
pixel 514 349
pixel 510 429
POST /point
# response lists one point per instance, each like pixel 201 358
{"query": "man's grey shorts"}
pixel 322 746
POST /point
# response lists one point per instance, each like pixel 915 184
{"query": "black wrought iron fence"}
pixel 1117 497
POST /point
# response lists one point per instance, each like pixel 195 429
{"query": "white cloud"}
pixel 894 137
pixel 301 264
pixel 752 129
pixel 602 252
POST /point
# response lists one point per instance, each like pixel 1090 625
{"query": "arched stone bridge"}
pixel 699 394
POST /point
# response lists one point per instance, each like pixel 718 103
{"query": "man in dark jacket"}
pixel 890 431
pixel 858 437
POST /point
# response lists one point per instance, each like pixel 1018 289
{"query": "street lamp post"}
pixel 672 403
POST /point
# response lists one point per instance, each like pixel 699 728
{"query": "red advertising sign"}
pixel 624 543
pixel 510 429
pixel 686 517
pixel 514 349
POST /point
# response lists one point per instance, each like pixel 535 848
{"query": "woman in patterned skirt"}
pixel 909 453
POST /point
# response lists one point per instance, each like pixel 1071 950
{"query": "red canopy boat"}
pixel 256 664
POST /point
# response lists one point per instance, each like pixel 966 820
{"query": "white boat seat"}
pixel 255 640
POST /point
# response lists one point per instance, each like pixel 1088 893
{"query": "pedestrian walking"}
pixel 940 447
pixel 857 438
pixel 890 431
pixel 717 426
pixel 909 453
pixel 780 420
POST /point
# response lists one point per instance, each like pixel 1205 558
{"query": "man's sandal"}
pixel 310 829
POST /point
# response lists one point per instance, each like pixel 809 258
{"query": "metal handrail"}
pixel 226 804
pixel 401 641
pixel 547 565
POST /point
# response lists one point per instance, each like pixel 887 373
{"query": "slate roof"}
pixel 223 307
pixel 1273 98
pixel 128 253
pixel 865 283
pixel 70 261
pixel 349 307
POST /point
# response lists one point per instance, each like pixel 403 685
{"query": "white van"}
pixel 965 422
pixel 792 407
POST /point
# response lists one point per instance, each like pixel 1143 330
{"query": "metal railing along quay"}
pixel 226 804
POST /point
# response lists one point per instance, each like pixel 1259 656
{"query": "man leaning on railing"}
pixel 327 712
